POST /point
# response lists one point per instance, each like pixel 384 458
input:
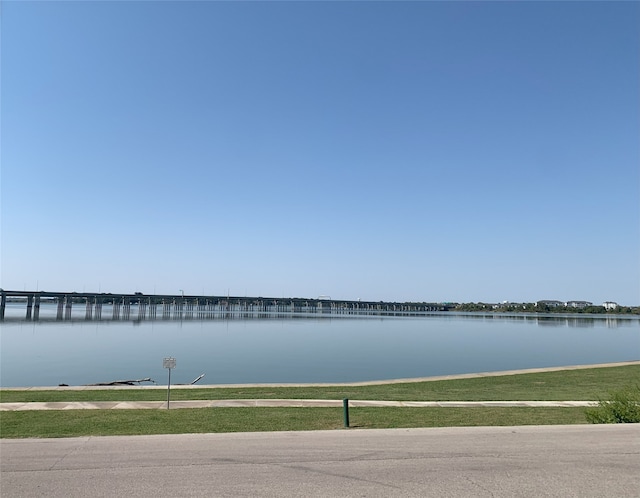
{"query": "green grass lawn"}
pixel 586 384
pixel 71 423
pixel 589 384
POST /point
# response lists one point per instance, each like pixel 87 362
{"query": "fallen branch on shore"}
pixel 193 381
pixel 123 382
pixel 135 382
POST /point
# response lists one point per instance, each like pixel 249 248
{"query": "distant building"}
pixel 551 304
pixel 610 305
pixel 578 304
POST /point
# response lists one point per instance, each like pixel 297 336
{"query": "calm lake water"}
pixel 311 349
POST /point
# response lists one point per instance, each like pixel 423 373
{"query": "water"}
pixel 312 349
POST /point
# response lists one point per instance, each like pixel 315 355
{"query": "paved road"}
pixel 579 460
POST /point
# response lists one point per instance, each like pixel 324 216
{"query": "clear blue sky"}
pixel 423 151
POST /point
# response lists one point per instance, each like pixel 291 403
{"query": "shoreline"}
pixel 499 373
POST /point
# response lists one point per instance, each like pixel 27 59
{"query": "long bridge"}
pixel 139 306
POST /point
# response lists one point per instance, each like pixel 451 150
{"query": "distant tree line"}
pixel 544 308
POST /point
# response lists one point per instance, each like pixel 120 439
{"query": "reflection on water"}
pixel 558 320
pixel 15 312
pixel 230 348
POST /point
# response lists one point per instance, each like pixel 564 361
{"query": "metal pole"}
pixel 169 389
pixel 345 409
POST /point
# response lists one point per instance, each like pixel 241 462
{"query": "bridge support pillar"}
pixel 36 308
pixel 126 308
pixel 166 309
pixel 178 308
pixel 142 310
pixel 67 309
pixel 60 308
pixel 29 307
pixel 88 315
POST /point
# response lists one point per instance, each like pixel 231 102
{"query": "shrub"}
pixel 622 407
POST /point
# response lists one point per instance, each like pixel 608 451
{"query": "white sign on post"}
pixel 169 363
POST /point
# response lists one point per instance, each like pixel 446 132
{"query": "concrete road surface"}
pixel 578 460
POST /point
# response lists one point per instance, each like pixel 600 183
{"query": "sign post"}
pixel 169 363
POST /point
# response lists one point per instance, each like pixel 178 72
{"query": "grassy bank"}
pixel 72 423
pixel 585 384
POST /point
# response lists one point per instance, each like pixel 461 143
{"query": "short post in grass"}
pixel 345 410
pixel 169 363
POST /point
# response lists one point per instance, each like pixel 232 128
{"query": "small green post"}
pixel 345 409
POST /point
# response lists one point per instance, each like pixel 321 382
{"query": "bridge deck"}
pixel 145 306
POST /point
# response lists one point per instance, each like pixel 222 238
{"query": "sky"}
pixel 396 151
